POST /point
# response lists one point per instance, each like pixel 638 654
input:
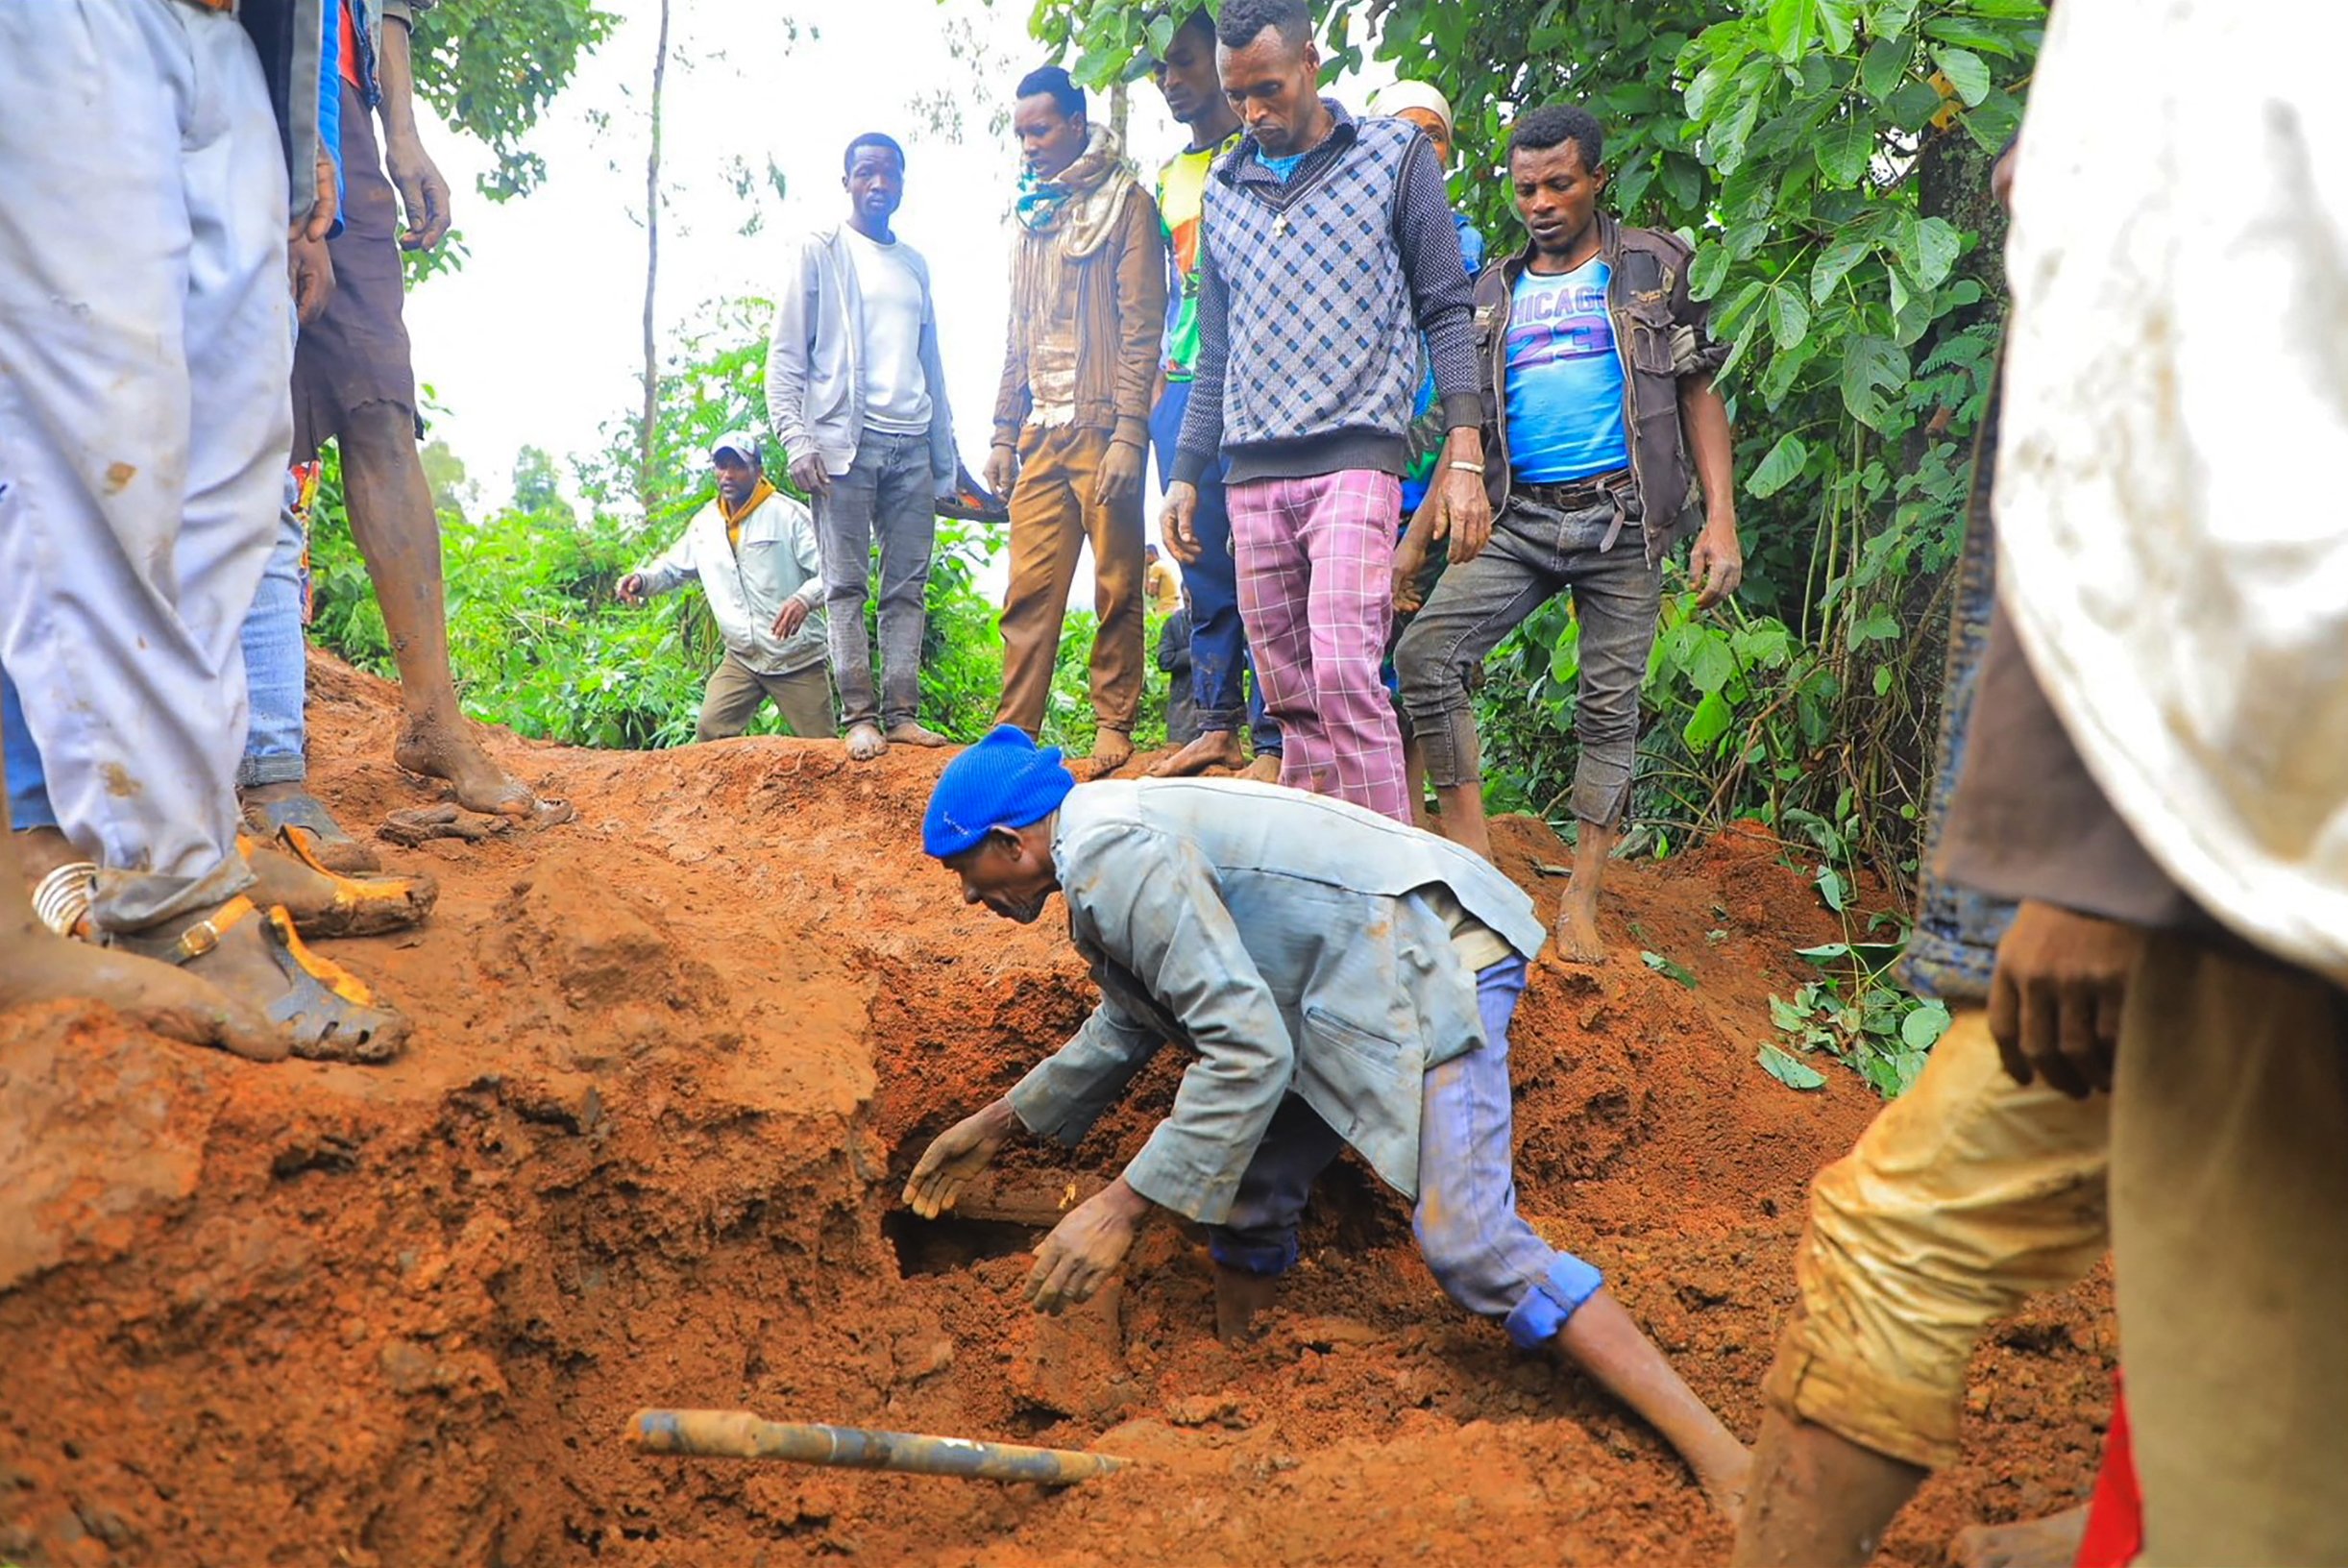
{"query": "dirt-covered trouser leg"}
pixel 1964 1198
pixel 1478 1246
pixel 145 423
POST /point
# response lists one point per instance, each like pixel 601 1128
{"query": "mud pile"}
pixel 671 1065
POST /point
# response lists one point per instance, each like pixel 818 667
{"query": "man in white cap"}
pixel 753 551
pixel 1425 106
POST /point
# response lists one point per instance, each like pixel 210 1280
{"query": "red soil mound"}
pixel 671 1064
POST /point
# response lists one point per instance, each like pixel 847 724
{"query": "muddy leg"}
pixel 1575 939
pixel 1817 1500
pixel 37 965
pixel 1604 1342
pixel 1213 749
pixel 392 519
pixel 2051 1542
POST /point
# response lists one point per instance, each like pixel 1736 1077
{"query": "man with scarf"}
pixel 1072 422
pixel 753 551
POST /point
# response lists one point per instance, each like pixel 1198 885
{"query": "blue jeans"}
pixel 1476 1243
pixel 277 662
pixel 28 792
pixel 1220 669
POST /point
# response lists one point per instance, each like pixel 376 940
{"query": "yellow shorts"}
pixel 1965 1197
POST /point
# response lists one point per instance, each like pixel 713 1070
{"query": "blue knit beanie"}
pixel 1003 781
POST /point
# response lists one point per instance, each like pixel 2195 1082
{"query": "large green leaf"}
pixel 1845 251
pixel 1967 72
pixel 1781 467
pixel 1844 149
pixel 1709 270
pixel 1884 66
pixel 1789 316
pixel 1708 723
pixel 1789 1070
pixel 1872 366
pixel 1789 28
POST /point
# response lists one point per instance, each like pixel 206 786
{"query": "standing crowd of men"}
pixel 1382 448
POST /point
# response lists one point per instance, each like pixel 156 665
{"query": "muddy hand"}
pixel 955 1158
pixel 1086 1248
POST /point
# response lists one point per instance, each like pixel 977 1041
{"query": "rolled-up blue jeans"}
pixel 1476 1243
pixel 1222 674
pixel 277 661
pixel 28 792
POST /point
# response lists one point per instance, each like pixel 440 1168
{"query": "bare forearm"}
pixel 395 75
pixel 1705 419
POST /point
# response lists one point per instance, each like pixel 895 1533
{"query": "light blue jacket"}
pixel 1275 933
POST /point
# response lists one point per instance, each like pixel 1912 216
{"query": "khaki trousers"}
pixel 1051 517
pixel 1964 1197
pixel 2230 1251
pixel 735 692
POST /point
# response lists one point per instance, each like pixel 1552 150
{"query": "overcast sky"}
pixel 538 340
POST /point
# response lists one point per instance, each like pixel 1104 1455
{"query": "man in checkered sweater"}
pixel 1328 249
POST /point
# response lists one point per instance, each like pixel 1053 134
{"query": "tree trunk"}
pixel 651 275
pixel 1116 111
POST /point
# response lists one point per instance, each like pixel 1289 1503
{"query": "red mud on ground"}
pixel 671 1064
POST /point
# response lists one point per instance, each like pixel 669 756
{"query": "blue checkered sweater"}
pixel 1313 298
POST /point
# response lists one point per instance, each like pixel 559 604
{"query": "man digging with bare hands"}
pixel 1331 969
pixel 1596 385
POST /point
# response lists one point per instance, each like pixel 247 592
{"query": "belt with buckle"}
pixel 1612 488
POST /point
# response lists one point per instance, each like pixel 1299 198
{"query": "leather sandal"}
pixel 328 1012
pixel 362 906
pixel 287 822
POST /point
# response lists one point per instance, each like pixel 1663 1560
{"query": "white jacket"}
pixel 2176 401
pixel 814 360
pixel 778 561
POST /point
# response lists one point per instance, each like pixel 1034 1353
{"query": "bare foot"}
pixel 865 742
pixel 338 906
pixel 1213 749
pixel 1112 750
pixel 1575 939
pixel 438 749
pixel 912 733
pixel 1724 1478
pixel 39 967
pixel 1264 770
pixel 1239 1299
pixel 2051 1542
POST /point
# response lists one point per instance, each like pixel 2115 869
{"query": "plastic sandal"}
pixel 328 1012
pixel 362 906
pixel 288 822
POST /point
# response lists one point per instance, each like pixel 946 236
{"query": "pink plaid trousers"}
pixel 1316 593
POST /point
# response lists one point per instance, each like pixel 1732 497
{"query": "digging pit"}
pixel 672 1065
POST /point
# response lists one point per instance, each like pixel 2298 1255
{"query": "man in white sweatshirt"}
pixel 753 549
pixel 856 393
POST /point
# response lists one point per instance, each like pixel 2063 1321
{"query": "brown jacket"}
pixel 1121 322
pixel 1660 334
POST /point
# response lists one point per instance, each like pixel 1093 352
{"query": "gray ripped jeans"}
pixel 1536 553
pixel 888 499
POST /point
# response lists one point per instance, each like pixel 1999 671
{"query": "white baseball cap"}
pixel 740 443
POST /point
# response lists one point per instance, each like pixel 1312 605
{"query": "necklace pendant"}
pixel 1279 223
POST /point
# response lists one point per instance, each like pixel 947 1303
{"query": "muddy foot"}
pixel 1240 1298
pixel 37 966
pixel 1264 770
pixel 865 742
pixel 1723 1478
pixel 413 828
pixel 1213 749
pixel 1111 750
pixel 1575 939
pixel 913 733
pixel 437 749
pixel 2051 1542
pixel 270 809
pixel 316 1006
pixel 338 906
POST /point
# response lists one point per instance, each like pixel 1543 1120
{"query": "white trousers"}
pixel 145 420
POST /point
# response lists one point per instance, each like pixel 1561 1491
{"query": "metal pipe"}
pixel 739 1435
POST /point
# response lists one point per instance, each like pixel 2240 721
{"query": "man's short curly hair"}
pixel 1553 125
